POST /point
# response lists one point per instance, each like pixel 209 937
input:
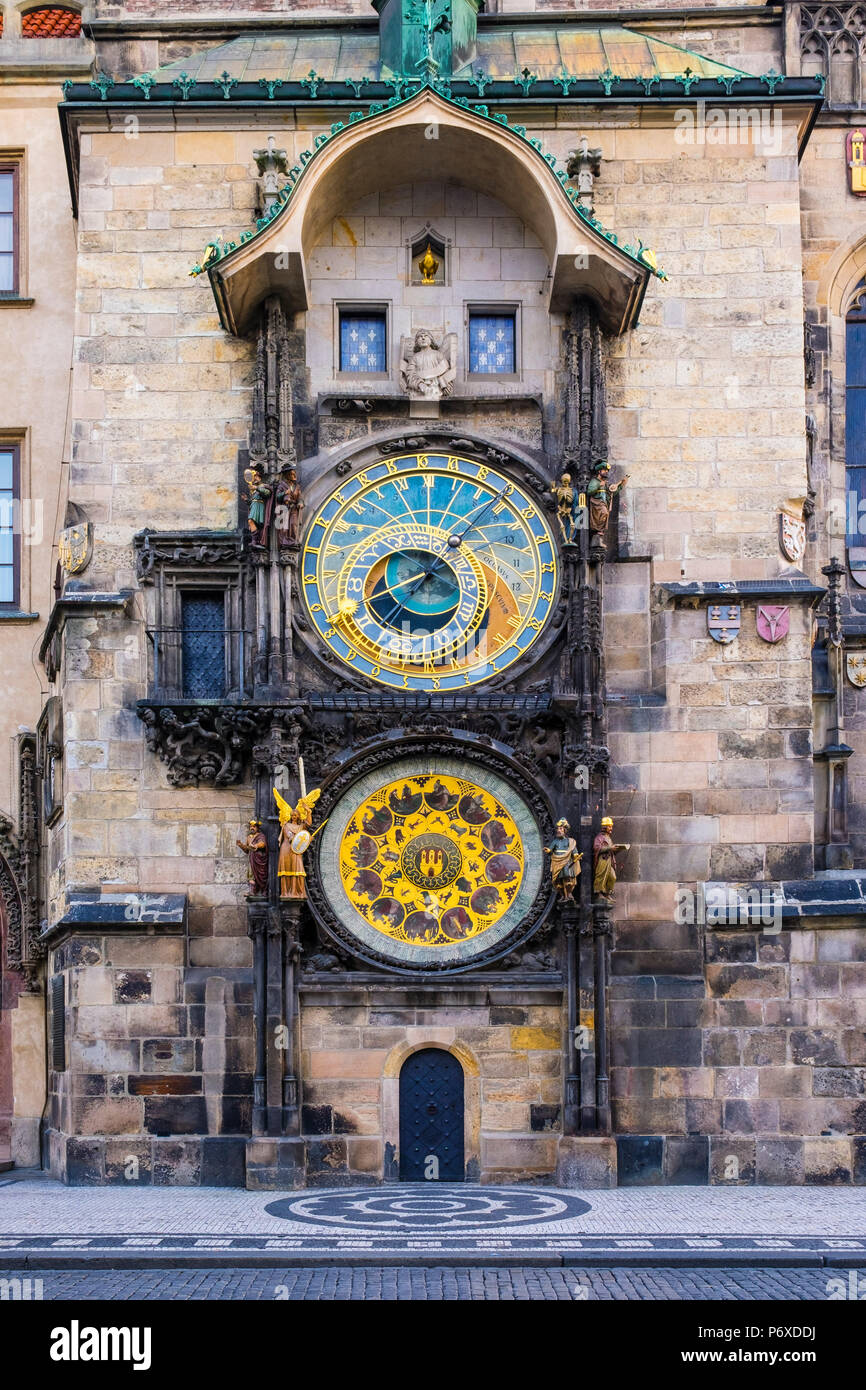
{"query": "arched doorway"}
pixel 431 1117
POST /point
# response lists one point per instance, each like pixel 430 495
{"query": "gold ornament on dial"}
pixel 431 860
pixel 429 572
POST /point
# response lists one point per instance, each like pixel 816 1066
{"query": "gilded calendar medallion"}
pixel 434 863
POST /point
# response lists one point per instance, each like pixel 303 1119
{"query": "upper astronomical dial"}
pixel 429 572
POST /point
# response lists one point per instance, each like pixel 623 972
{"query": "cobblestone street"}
pixel 490 1285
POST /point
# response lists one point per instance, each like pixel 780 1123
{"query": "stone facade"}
pixel 716 1052
pixel 36 323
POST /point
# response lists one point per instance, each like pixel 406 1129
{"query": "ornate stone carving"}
pixel 200 743
pixel 792 537
pixel 833 42
pixel 181 549
pixel 272 437
pixel 427 366
pixel 18 876
pixel 272 166
pixel 530 961
pixel 584 167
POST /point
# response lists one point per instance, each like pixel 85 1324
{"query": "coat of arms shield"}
pixel 773 621
pixel 723 621
pixel 855 665
pixel 792 537
pixel 855 148
pixel 74 546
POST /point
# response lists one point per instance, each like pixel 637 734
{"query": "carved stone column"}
pixel 580 699
pixel 273 453
pixel 275 929
pixel 257 924
pixel 603 932
pixel 290 915
pixel 575 1036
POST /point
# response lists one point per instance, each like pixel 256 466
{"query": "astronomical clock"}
pixel 429 572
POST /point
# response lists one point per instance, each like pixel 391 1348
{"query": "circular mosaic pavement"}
pixel 410 1208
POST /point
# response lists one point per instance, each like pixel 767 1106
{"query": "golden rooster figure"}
pixel 293 843
pixel 428 266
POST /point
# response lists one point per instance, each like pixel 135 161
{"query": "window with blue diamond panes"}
pixel 492 344
pixel 203 637
pixel 363 342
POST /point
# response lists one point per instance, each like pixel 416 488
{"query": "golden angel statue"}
pixel 294 841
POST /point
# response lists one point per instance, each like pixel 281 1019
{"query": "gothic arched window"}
pixel 855 417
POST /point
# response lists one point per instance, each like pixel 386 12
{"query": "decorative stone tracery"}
pixel 833 42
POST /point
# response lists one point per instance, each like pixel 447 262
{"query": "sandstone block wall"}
pixel 511 1054
pixel 156 1051
pixel 752 1065
pixel 834 265
pixel 493 257
pixel 732 1035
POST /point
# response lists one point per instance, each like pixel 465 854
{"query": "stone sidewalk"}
pixel 44 1224
pixel 413 1284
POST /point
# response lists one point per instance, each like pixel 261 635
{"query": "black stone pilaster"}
pixel 580 699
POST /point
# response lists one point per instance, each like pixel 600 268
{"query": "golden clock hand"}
pixel 399 585
pixel 456 541
pixel 349 606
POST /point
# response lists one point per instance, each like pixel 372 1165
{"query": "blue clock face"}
pixel 429 572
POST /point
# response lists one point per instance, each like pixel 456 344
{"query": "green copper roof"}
pixel 583 51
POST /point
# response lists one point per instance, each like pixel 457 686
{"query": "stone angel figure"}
pixel 294 841
pixel 428 368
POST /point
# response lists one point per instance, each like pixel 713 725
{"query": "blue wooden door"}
pixel 431 1117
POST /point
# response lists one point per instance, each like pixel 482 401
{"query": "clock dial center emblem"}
pixel 431 861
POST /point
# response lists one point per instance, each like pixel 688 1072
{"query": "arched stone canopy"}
pixel 429 137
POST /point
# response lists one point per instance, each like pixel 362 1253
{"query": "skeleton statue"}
pixel 563 492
